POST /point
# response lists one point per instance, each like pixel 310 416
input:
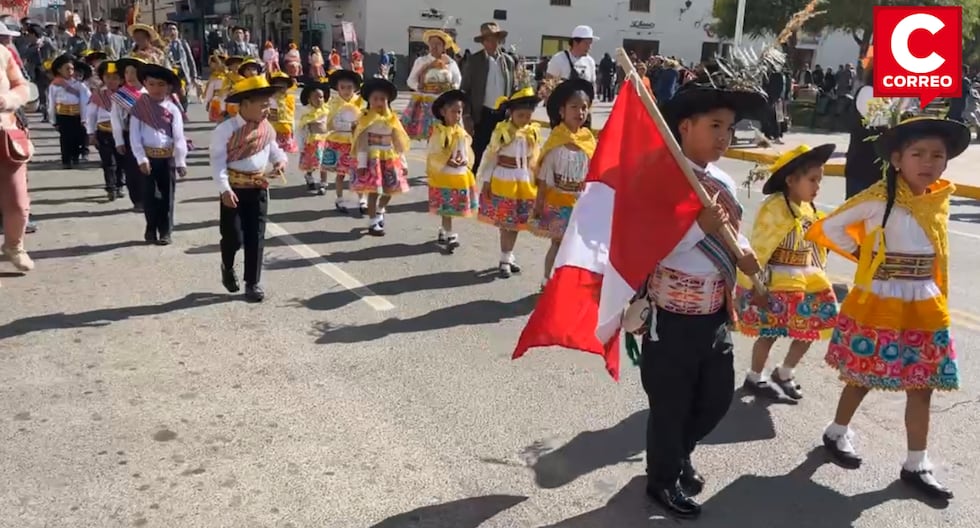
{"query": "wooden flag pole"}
pixel 728 234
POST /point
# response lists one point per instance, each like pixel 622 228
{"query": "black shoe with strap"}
pixel 789 387
pixel 673 500
pixel 254 293
pixel 229 279
pixel 691 482
pixel 846 459
pixel 924 481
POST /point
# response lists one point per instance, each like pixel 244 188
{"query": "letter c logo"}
pixel 900 43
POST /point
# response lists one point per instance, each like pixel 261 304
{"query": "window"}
pixel 563 3
pixel 500 14
pixel 640 6
pixel 551 44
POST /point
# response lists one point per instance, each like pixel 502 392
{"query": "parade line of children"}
pixel 890 333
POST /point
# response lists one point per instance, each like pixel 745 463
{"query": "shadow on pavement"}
pixel 33 190
pixel 76 199
pixel 433 281
pixel 463 513
pixel 194 226
pixel 472 313
pixel 309 238
pixel 748 420
pixel 107 316
pixel 83 251
pixel 78 214
pixel 390 251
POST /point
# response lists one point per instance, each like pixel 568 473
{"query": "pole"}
pixel 739 22
pixel 294 26
pixel 728 234
pixel 153 10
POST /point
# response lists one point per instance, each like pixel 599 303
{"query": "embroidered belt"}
pixel 68 109
pixel 105 126
pixel 791 257
pixel 507 162
pixel 435 88
pixel 379 140
pixel 568 185
pixel 248 180
pixel 343 126
pixel 680 293
pixel 906 267
pixel 159 152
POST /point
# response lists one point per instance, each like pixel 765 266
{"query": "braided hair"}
pixel 802 170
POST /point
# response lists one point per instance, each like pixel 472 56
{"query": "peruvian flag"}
pixel 636 207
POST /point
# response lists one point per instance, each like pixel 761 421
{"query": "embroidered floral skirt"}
pixel 511 200
pixel 338 158
pixel 888 343
pixel 554 217
pixel 453 194
pixel 807 316
pixel 385 173
pixel 417 117
pixel 287 142
pixel 215 112
pixel 314 152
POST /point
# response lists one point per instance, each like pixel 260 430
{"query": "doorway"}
pixel 644 49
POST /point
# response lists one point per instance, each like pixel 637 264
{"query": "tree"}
pixel 850 16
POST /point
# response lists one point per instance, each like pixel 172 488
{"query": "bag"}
pixel 574 76
pixel 15 146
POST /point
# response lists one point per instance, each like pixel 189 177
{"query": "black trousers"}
pixel 689 379
pixel 244 228
pixel 606 93
pixel 111 160
pixel 135 180
pixel 158 196
pixel 483 129
pixel 71 136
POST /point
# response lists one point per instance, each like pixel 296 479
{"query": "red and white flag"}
pixel 636 207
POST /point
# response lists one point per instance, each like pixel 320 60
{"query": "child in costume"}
pixel 317 72
pixel 282 110
pixel 214 92
pixel 380 144
pixel 242 147
pixel 122 105
pixel 431 75
pixel 85 74
pixel 270 56
pixel 313 135
pixel 507 174
pixel 334 61
pixel 93 59
pixel 449 168
pixel 156 131
pixel 801 304
pixel 893 329
pixel 293 62
pixel 98 124
pixel 357 62
pixel 343 113
pixel 231 77
pixel 67 100
pixel 564 163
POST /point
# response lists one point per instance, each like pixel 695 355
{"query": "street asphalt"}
pixel 374 387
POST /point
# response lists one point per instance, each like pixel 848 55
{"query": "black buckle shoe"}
pixel 111 195
pixel 376 230
pixel 150 236
pixel 789 387
pixel 504 270
pixel 691 482
pixel 761 389
pixel 165 240
pixel 254 293
pixel 924 481
pixel 845 459
pixel 229 279
pixel 673 500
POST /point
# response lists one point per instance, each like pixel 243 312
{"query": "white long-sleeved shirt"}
pixel 119 116
pixel 259 161
pixel 95 114
pixel 141 136
pixel 451 75
pixel 58 95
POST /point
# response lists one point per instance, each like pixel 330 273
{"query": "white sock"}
pixel 375 220
pixel 754 377
pixel 784 373
pixel 506 257
pixel 917 461
pixel 835 430
pixel 842 435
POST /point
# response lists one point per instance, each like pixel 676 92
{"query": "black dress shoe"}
pixel 230 280
pixel 789 387
pixel 845 459
pixel 924 481
pixel 150 236
pixel 673 500
pixel 254 293
pixel 165 240
pixel 761 389
pixel 692 483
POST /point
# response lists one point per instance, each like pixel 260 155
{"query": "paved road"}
pixel 374 387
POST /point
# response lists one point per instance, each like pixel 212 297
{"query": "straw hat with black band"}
pixel 106 68
pixel 251 88
pixel 344 75
pixel 376 84
pixel 309 88
pixel 155 71
pixel 154 36
pixel 792 161
pixel 562 93
pixel 954 134
pixel 446 98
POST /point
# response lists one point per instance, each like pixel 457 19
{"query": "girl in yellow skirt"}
pixel 380 144
pixel 214 93
pixel 507 172
pixel 449 167
pixel 313 132
pixel 231 77
pixel 282 111
pixel 344 111
pixel 564 164
pixel 893 329
pixel 801 304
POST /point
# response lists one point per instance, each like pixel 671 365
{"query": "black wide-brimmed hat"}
pixel 562 93
pixel 956 135
pixel 344 75
pixel 377 84
pixel 126 62
pixel 792 161
pixel 84 68
pixel 523 98
pixel 281 80
pixel 155 71
pixel 253 87
pixel 233 62
pixel 699 98
pixel 94 55
pixel 446 98
pixel 308 88
pixel 60 61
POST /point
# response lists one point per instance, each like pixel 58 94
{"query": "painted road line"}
pixel 341 277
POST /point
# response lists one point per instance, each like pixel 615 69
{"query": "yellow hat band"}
pixel 111 68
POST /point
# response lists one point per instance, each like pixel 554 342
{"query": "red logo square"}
pixel 918 52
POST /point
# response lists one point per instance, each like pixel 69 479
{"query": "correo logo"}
pixel 919 52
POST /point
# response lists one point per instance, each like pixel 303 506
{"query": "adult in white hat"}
pixel 575 62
